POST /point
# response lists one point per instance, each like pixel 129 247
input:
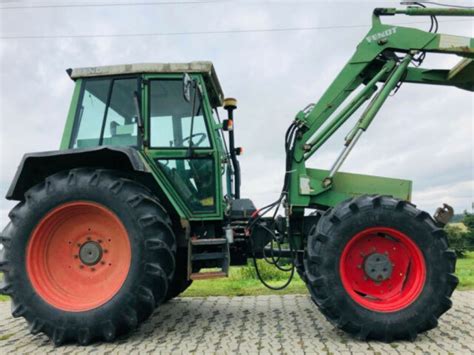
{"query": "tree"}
pixel 468 221
pixel 457 239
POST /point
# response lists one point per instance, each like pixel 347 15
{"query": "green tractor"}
pixel 143 198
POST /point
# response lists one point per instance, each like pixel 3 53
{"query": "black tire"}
pixel 180 281
pixel 326 244
pixel 152 245
pixel 307 228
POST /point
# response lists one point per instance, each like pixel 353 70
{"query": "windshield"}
pixel 106 114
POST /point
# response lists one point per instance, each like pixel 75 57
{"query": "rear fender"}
pixel 35 167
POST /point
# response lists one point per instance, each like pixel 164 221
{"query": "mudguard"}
pixel 35 167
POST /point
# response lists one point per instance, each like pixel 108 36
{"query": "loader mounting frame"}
pixel 384 56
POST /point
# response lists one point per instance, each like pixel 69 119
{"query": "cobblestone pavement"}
pixel 261 324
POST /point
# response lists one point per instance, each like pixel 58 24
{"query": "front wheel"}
pixel 87 256
pixel 379 268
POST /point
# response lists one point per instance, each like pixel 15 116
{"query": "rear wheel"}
pixel 180 281
pixel 379 268
pixel 88 255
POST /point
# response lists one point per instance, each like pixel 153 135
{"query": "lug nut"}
pixel 76 256
pixel 81 266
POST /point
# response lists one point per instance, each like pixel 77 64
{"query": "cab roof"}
pixel 205 68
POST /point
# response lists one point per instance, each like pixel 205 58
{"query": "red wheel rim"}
pixel 382 269
pixel 78 256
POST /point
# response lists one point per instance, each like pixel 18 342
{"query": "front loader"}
pixel 143 198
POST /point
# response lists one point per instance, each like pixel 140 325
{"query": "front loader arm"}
pixel 385 55
pixel 460 76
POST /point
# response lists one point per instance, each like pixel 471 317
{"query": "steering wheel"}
pixel 202 137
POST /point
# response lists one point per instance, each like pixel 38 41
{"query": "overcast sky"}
pixel 423 133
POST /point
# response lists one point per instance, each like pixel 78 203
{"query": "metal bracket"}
pixel 444 214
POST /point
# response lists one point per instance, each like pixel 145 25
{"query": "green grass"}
pixel 242 282
pixel 465 272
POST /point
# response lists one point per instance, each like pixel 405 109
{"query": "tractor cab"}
pixel 168 112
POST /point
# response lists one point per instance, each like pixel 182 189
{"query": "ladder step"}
pixel 214 241
pixel 208 275
pixel 209 256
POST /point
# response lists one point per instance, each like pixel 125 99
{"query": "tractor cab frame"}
pixel 179 140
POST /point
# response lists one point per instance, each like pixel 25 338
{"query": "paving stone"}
pixel 288 324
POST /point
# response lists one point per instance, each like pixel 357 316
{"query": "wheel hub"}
pixel 90 253
pixel 378 267
pixel 382 269
pixel 78 256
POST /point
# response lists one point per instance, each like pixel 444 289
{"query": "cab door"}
pixel 181 145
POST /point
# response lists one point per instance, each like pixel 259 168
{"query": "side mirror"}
pixel 187 84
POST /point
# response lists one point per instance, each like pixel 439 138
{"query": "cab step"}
pixel 214 241
pixel 209 256
pixel 214 250
pixel 207 275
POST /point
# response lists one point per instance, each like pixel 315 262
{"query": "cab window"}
pixel 106 114
pixel 194 181
pixel 172 124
